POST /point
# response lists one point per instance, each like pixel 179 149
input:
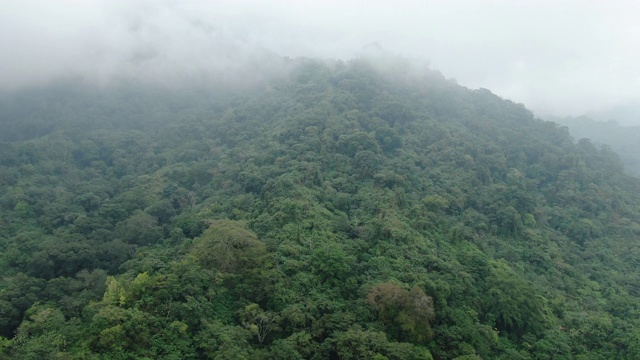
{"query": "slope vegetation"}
pixel 622 139
pixel 360 210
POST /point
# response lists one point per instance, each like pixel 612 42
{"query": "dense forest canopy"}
pixel 359 210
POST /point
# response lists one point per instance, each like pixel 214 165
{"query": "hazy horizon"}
pixel 556 57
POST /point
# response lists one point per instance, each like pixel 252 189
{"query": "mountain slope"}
pixel 622 139
pixel 347 210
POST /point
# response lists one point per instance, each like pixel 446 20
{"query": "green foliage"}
pixel 345 211
pixel 513 302
pixel 332 262
pixel 228 246
pixel 407 312
pixel 621 139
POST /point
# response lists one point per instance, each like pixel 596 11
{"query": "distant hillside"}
pixel 625 140
pixel 359 210
pixel 626 114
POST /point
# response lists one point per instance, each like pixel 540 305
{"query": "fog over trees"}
pixel 560 58
pixel 237 180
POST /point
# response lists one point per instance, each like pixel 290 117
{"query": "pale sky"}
pixel 560 57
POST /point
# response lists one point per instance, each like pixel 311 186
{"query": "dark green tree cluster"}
pixel 360 210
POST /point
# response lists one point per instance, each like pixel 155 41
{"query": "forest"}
pixel 622 139
pixel 343 210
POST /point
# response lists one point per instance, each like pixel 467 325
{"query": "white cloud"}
pixel 555 56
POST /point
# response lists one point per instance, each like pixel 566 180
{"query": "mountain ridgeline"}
pixel 624 140
pixel 344 211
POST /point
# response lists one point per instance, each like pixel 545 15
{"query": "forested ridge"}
pixel 624 140
pixel 344 211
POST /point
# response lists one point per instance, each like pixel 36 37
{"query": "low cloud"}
pixel 561 57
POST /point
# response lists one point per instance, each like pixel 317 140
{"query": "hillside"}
pixel 625 113
pixel 360 210
pixel 622 139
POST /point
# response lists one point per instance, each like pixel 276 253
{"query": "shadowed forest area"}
pixel 344 210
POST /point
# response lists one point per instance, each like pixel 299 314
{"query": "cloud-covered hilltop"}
pixel 561 57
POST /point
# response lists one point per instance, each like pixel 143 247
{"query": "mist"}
pixel 556 57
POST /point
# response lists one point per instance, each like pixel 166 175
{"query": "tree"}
pixel 513 302
pixel 229 246
pixel 405 312
pixel 258 321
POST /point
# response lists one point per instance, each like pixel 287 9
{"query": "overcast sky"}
pixel 561 57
